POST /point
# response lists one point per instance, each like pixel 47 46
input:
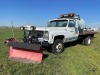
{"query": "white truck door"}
pixel 72 30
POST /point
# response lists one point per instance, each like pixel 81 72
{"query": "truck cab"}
pixel 67 28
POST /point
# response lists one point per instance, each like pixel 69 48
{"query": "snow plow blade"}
pixel 22 52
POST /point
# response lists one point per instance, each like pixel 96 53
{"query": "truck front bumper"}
pixel 45 44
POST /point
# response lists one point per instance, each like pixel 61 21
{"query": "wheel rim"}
pixel 59 47
pixel 89 41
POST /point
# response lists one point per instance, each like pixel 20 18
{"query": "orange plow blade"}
pixel 25 55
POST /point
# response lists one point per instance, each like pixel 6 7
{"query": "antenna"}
pixel 12 28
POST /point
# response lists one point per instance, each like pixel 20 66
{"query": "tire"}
pixel 87 41
pixel 57 47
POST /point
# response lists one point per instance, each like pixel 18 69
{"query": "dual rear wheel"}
pixel 87 41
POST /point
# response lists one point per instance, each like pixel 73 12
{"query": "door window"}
pixel 71 23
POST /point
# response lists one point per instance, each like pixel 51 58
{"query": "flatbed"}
pixel 85 32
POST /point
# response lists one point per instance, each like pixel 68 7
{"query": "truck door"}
pixel 72 31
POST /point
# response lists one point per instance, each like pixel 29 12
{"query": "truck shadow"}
pixel 69 44
pixel 45 56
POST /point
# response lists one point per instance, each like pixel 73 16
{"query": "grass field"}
pixel 75 60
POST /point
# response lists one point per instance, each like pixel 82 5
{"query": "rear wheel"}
pixel 87 41
pixel 57 47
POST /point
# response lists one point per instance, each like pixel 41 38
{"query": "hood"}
pixel 50 28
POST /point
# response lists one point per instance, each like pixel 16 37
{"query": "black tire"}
pixel 87 41
pixel 57 47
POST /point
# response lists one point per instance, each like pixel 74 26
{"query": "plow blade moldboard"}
pixel 24 52
pixel 25 45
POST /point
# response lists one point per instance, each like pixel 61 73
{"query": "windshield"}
pixel 58 23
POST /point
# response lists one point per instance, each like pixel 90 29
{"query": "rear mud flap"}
pixel 25 55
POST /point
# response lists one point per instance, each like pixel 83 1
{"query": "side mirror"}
pixel 33 27
pixel 22 28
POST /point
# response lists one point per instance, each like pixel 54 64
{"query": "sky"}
pixel 38 12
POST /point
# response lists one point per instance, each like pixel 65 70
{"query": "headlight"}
pixel 29 36
pixel 46 35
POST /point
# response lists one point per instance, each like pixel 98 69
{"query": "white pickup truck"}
pixel 66 28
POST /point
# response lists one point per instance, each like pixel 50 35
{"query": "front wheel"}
pixel 57 47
